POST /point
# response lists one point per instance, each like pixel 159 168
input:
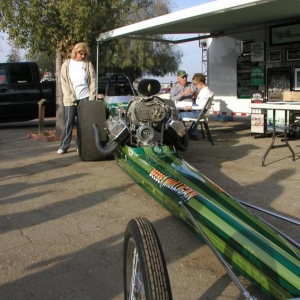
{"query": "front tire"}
pixel 145 272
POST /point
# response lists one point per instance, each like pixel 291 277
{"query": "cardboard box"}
pixel 275 97
pixel 291 96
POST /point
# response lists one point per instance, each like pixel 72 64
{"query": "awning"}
pixel 218 18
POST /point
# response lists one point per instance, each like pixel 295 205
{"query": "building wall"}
pixel 222 76
pixel 222 66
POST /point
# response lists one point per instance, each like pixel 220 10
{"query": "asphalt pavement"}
pixel 62 220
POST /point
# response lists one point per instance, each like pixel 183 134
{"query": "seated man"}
pixel 182 93
pixel 199 81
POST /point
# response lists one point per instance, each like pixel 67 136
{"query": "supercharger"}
pixel 147 121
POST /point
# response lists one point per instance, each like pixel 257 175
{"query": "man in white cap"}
pixel 184 95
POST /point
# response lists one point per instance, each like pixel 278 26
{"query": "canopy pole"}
pixel 97 71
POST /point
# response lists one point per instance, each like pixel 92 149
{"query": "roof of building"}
pixel 233 18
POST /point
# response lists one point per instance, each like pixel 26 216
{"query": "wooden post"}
pixel 41 116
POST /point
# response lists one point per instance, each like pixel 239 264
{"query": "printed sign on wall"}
pixel 257 52
pixel 257 75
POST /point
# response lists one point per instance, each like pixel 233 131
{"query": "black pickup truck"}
pixel 20 91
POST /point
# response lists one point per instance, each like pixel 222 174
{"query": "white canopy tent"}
pixel 243 20
pixel 221 17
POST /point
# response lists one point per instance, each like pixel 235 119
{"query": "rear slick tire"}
pixel 145 272
pixel 88 113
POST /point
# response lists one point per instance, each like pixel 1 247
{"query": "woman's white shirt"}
pixel 202 97
pixel 79 78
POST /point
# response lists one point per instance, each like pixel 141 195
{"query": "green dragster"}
pixel 144 137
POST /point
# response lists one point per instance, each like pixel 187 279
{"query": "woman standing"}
pixel 78 83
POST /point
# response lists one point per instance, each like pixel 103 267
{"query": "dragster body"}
pixel 245 242
pixel 144 138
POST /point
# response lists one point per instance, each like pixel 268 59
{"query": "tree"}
pixel 45 62
pixel 141 57
pixel 54 26
pixel 48 25
pixel 51 25
pixel 14 55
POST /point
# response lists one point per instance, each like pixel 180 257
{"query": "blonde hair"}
pixel 199 77
pixel 80 47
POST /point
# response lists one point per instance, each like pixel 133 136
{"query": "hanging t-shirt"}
pixel 79 78
pixel 203 96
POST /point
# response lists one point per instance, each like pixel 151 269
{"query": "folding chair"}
pixel 201 119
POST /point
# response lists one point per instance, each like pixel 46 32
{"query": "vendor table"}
pixel 283 106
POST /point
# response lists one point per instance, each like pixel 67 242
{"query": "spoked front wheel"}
pixel 144 268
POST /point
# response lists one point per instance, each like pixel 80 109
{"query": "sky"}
pixel 191 62
pixel 192 56
pixel 4 48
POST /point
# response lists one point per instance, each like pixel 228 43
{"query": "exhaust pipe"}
pixel 107 149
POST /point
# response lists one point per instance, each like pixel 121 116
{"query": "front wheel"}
pixel 144 268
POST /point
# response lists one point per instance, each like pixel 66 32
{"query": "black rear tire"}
pixel 90 112
pixel 145 272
